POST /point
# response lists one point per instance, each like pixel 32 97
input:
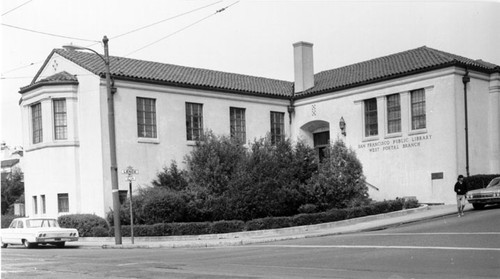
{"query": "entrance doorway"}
pixel 321 142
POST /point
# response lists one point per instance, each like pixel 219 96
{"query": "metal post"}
pixel 130 171
pixel 465 80
pixel 112 147
pixel 131 213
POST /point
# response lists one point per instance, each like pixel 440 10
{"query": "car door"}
pixel 11 234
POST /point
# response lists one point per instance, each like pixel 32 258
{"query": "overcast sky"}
pixel 249 37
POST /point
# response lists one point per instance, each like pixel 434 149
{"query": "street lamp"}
pixel 112 137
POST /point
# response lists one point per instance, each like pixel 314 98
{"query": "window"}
pixel 36 122
pixel 146 118
pixel 35 205
pixel 277 127
pixel 62 203
pixel 237 124
pixel 60 120
pixel 371 121
pixel 43 204
pixel 418 120
pixel 194 121
pixel 393 114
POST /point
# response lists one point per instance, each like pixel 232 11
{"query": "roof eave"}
pixel 201 87
pixel 40 84
pixel 436 67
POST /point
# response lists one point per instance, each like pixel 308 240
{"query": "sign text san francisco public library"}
pixel 394 144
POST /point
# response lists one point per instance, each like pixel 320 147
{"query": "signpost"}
pixel 130 171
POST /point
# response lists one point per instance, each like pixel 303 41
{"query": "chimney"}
pixel 303 66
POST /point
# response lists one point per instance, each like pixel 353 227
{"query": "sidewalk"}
pixel 366 223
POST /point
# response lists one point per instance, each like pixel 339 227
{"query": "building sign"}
pixel 395 144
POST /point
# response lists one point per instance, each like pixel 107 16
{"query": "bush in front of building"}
pixel 226 180
pixel 339 181
pixel 88 225
pixel 479 181
pixel 7 219
pixel 332 215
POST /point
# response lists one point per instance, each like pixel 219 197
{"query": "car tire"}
pixel 478 206
pixel 4 245
pixel 28 244
pixel 60 244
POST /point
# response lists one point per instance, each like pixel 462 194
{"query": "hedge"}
pixel 197 228
pixel 86 224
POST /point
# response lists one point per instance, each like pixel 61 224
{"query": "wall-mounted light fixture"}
pixel 342 126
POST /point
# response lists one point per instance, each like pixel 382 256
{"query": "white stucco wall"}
pixel 402 164
pixel 79 165
pixel 149 156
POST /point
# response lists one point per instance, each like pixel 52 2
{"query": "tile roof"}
pixel 391 66
pixel 9 163
pixel 127 68
pixel 61 78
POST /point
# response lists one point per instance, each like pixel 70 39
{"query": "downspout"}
pixel 465 80
pixel 291 110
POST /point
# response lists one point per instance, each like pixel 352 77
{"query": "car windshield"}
pixel 494 182
pixel 41 223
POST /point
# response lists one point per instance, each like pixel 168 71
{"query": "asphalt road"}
pixel 446 247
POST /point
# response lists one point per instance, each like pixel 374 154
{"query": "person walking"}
pixel 460 189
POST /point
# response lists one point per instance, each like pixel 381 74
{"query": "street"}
pixel 445 247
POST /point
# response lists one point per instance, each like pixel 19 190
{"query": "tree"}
pixel 171 178
pixel 339 182
pixel 213 162
pixel 12 190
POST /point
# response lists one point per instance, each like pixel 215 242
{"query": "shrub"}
pixel 86 224
pixel 332 215
pixel 99 232
pixel 268 223
pixel 171 178
pixel 7 219
pixel 339 181
pixel 308 208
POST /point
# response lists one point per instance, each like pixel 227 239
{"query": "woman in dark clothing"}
pixel 460 189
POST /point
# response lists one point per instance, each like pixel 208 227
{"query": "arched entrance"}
pixel 317 134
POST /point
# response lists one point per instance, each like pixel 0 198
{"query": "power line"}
pixel 163 20
pixel 22 67
pixel 48 34
pixel 114 37
pixel 182 29
pixel 16 7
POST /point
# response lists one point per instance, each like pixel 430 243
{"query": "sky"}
pixel 245 37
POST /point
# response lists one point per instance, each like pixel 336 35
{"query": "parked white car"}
pixel 33 231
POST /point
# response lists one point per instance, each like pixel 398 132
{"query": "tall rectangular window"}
pixel 237 124
pixel 60 120
pixel 277 127
pixel 146 118
pixel 62 203
pixel 35 205
pixel 393 114
pixel 36 123
pixel 371 121
pixel 194 121
pixel 44 208
pixel 418 119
